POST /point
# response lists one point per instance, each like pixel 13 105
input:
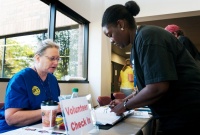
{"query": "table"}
pixel 128 126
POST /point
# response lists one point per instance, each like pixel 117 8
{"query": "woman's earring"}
pixel 122 28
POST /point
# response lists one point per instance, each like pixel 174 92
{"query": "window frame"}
pixel 54 6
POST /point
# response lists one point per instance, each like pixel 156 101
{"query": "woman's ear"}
pixel 37 57
pixel 121 24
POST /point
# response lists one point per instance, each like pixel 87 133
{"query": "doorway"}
pixel 116 68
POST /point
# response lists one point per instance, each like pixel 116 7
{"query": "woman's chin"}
pixel 51 71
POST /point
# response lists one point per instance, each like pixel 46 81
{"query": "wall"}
pixel 27 17
pixel 158 7
pixel 118 59
pixel 65 89
pixel 2 90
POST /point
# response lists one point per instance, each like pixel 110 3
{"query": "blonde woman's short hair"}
pixel 45 44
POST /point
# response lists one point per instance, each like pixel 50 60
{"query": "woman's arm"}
pixel 19 117
pixel 130 78
pixel 148 95
pixel 118 101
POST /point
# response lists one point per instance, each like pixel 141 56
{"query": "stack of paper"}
pixel 141 114
pixel 104 116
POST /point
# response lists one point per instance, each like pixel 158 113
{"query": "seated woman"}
pixel 29 87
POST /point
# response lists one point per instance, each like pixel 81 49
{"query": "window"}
pixel 19 52
pixel 72 47
pixel 27 23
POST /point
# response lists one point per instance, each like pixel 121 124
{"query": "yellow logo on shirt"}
pixel 35 90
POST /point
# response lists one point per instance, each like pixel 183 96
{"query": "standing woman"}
pixel 168 78
pixel 29 87
pixel 126 79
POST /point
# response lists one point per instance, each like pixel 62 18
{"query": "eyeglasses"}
pixel 53 58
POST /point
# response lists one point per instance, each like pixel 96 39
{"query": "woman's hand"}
pixel 118 109
pixel 115 102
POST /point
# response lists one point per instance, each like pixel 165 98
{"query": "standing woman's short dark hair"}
pixel 126 64
pixel 120 12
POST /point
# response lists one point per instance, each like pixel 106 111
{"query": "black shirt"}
pixel 159 56
pixel 189 46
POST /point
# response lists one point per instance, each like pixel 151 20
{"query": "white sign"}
pixel 77 115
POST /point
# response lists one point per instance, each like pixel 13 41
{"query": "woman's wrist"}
pixel 125 105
